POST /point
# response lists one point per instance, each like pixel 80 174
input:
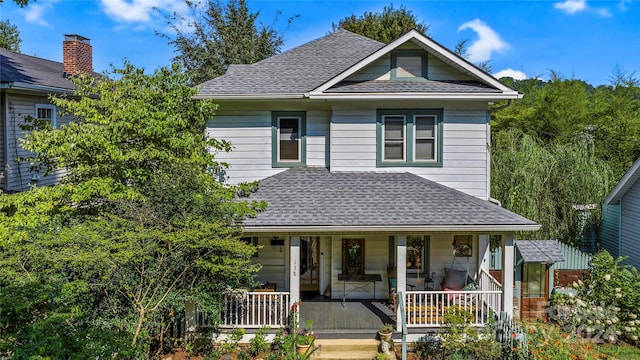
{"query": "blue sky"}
pixel 580 39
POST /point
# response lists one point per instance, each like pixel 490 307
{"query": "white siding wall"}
pixel 377 258
pixel 18 175
pixel 465 152
pixel 436 70
pixel 274 263
pixel 439 70
pixel 441 256
pixel 378 70
pixel 630 226
pixel 249 132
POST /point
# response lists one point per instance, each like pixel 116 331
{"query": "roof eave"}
pixel 396 228
pixel 20 86
pixel 409 95
pixel 621 188
pixel 247 96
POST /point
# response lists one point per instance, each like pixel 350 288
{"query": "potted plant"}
pixel 385 332
pixel 304 340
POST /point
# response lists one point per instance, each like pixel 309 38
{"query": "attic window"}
pixel 408 65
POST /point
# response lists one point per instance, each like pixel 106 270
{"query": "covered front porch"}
pixel 350 237
pixel 329 279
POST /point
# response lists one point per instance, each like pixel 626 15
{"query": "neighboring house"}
pixel 620 228
pixel 26 82
pixel 374 160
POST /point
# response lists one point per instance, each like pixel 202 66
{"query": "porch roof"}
pixel 315 199
pixel 540 251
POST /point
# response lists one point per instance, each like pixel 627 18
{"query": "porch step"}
pixel 346 349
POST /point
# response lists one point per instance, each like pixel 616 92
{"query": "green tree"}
pixel 9 36
pixel 22 3
pixel 137 228
pixel 569 111
pixel 550 183
pixel 220 35
pixel 385 27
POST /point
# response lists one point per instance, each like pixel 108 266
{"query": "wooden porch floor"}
pixel 336 316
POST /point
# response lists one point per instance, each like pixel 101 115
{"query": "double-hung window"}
pixel 411 137
pixel 288 133
pixel 46 112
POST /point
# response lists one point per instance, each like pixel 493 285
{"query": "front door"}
pixel 309 263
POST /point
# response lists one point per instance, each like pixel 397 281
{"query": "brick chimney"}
pixel 77 55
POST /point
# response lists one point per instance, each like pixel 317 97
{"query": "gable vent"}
pixel 409 66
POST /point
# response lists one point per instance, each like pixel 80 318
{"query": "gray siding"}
pixel 630 226
pixel 465 153
pixel 610 229
pixel 18 175
pixel 344 138
pixel 249 132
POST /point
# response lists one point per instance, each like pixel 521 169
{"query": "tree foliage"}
pixel 9 36
pixel 220 35
pixel 22 3
pixel 137 228
pixel 551 184
pixel 385 27
pixel 569 111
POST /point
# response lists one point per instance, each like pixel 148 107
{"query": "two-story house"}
pixel 26 82
pixel 374 160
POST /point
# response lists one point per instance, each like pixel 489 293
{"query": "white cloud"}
pixel 488 41
pixel 603 12
pixel 139 11
pixel 622 5
pixel 571 6
pixel 34 13
pixel 515 74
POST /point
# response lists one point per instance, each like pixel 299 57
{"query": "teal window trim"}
pixel 399 53
pixel 275 155
pixel 409 155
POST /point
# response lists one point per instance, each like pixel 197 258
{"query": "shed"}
pixel 533 260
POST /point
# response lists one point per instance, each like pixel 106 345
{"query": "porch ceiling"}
pixel 315 198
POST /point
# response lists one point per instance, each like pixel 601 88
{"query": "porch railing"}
pixel 427 308
pixel 489 283
pixel 254 309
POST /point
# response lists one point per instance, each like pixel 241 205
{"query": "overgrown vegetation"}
pixel 98 265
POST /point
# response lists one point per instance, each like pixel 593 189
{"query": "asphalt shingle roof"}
pixel 32 70
pixel 295 71
pixel 540 251
pixel 317 197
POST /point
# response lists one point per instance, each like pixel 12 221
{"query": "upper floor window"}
pixel 46 112
pixel 288 133
pixel 411 137
pixel 408 65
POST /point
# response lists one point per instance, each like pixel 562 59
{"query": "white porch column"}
pixel 294 269
pixel 401 274
pixel 484 252
pixel 508 254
